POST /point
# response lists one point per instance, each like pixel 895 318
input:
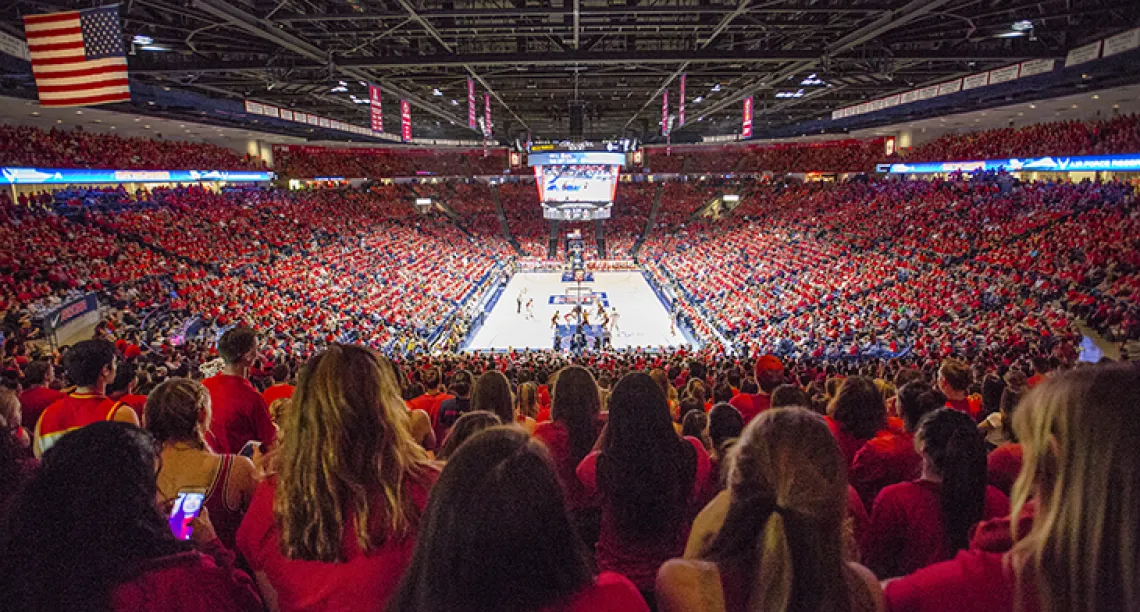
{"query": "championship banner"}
pixel 470 103
pixel 487 114
pixel 665 112
pixel 405 120
pixel 377 108
pixel 681 109
pixel 746 128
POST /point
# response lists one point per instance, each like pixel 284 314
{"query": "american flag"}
pixel 78 57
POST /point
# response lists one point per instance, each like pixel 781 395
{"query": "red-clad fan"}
pixel 90 364
pixel 86 533
pixel 890 457
pixel 502 486
pixel 919 523
pixel 434 393
pixel 856 415
pixel 38 394
pixel 954 380
pixel 240 414
pixel 1068 560
pixel 281 388
pixel 769 375
pixel 334 528
pixel 648 481
pixel 570 435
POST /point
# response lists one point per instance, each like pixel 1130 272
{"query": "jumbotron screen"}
pixel 576 176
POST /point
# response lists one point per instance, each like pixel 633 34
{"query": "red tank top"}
pixel 225 519
pixel 70 413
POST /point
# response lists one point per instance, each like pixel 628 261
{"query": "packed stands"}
pixel 1120 134
pixel 374 162
pixel 30 146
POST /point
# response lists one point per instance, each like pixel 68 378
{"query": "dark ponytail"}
pixel 951 442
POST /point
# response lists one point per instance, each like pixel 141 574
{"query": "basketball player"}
pixel 518 300
pixel 614 319
pixel 530 308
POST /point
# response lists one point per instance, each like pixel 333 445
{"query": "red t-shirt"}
pixel 965 405
pixel 907 533
pixel 240 414
pixel 556 437
pixel 640 560
pixel 189 581
pixel 996 535
pixel 70 413
pixel 276 392
pixel 751 405
pixel 1003 466
pixel 364 581
pixel 849 445
pixel 973 581
pixel 888 458
pixel 34 401
pixel 429 403
pixel 610 592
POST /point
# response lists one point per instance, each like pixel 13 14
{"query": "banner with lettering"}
pixel 746 128
pixel 377 108
pixel 681 109
pixel 665 112
pixel 487 114
pixel 470 103
pixel 405 120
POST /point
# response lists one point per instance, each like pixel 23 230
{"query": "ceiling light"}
pixel 142 39
pixel 78 112
pixel 436 92
pixel 342 83
pixel 1022 26
pixel 1011 34
pixel 716 87
pixel 1074 106
pixel 1096 97
pixel 1032 106
pixel 454 102
pixel 154 48
pixel 146 127
pixel 698 99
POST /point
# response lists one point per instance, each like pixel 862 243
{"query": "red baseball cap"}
pixel 768 363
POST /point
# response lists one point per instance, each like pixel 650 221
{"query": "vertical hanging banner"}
pixel 681 108
pixel 665 113
pixel 487 125
pixel 405 120
pixel 377 108
pixel 746 128
pixel 470 103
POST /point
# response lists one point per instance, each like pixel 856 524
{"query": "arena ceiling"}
pixel 541 59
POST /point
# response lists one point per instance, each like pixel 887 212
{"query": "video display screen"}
pixel 577 176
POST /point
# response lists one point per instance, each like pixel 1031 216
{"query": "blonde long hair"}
pixel 788 486
pixel 347 443
pixel 1080 435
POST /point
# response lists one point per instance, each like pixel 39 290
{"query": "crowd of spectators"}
pixel 303 162
pixel 1120 134
pixel 29 146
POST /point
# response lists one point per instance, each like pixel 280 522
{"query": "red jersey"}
pixel 973 581
pixel 609 592
pixel 33 402
pixel 188 581
pixel 363 581
pixel 640 560
pixel 239 415
pixel 907 533
pixel 71 413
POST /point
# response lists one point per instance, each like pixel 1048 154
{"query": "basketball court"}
pixel 642 318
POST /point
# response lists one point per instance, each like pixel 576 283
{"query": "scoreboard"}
pixel 577 185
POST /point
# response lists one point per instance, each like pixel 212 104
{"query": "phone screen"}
pixel 187 505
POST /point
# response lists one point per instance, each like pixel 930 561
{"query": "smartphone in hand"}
pixel 187 506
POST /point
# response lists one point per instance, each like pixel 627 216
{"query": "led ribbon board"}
pixel 1090 163
pixel 72 176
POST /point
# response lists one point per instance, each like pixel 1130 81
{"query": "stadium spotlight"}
pixel 1022 26
pixel 142 39
pixel 716 87
pixel 698 99
pixel 436 92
